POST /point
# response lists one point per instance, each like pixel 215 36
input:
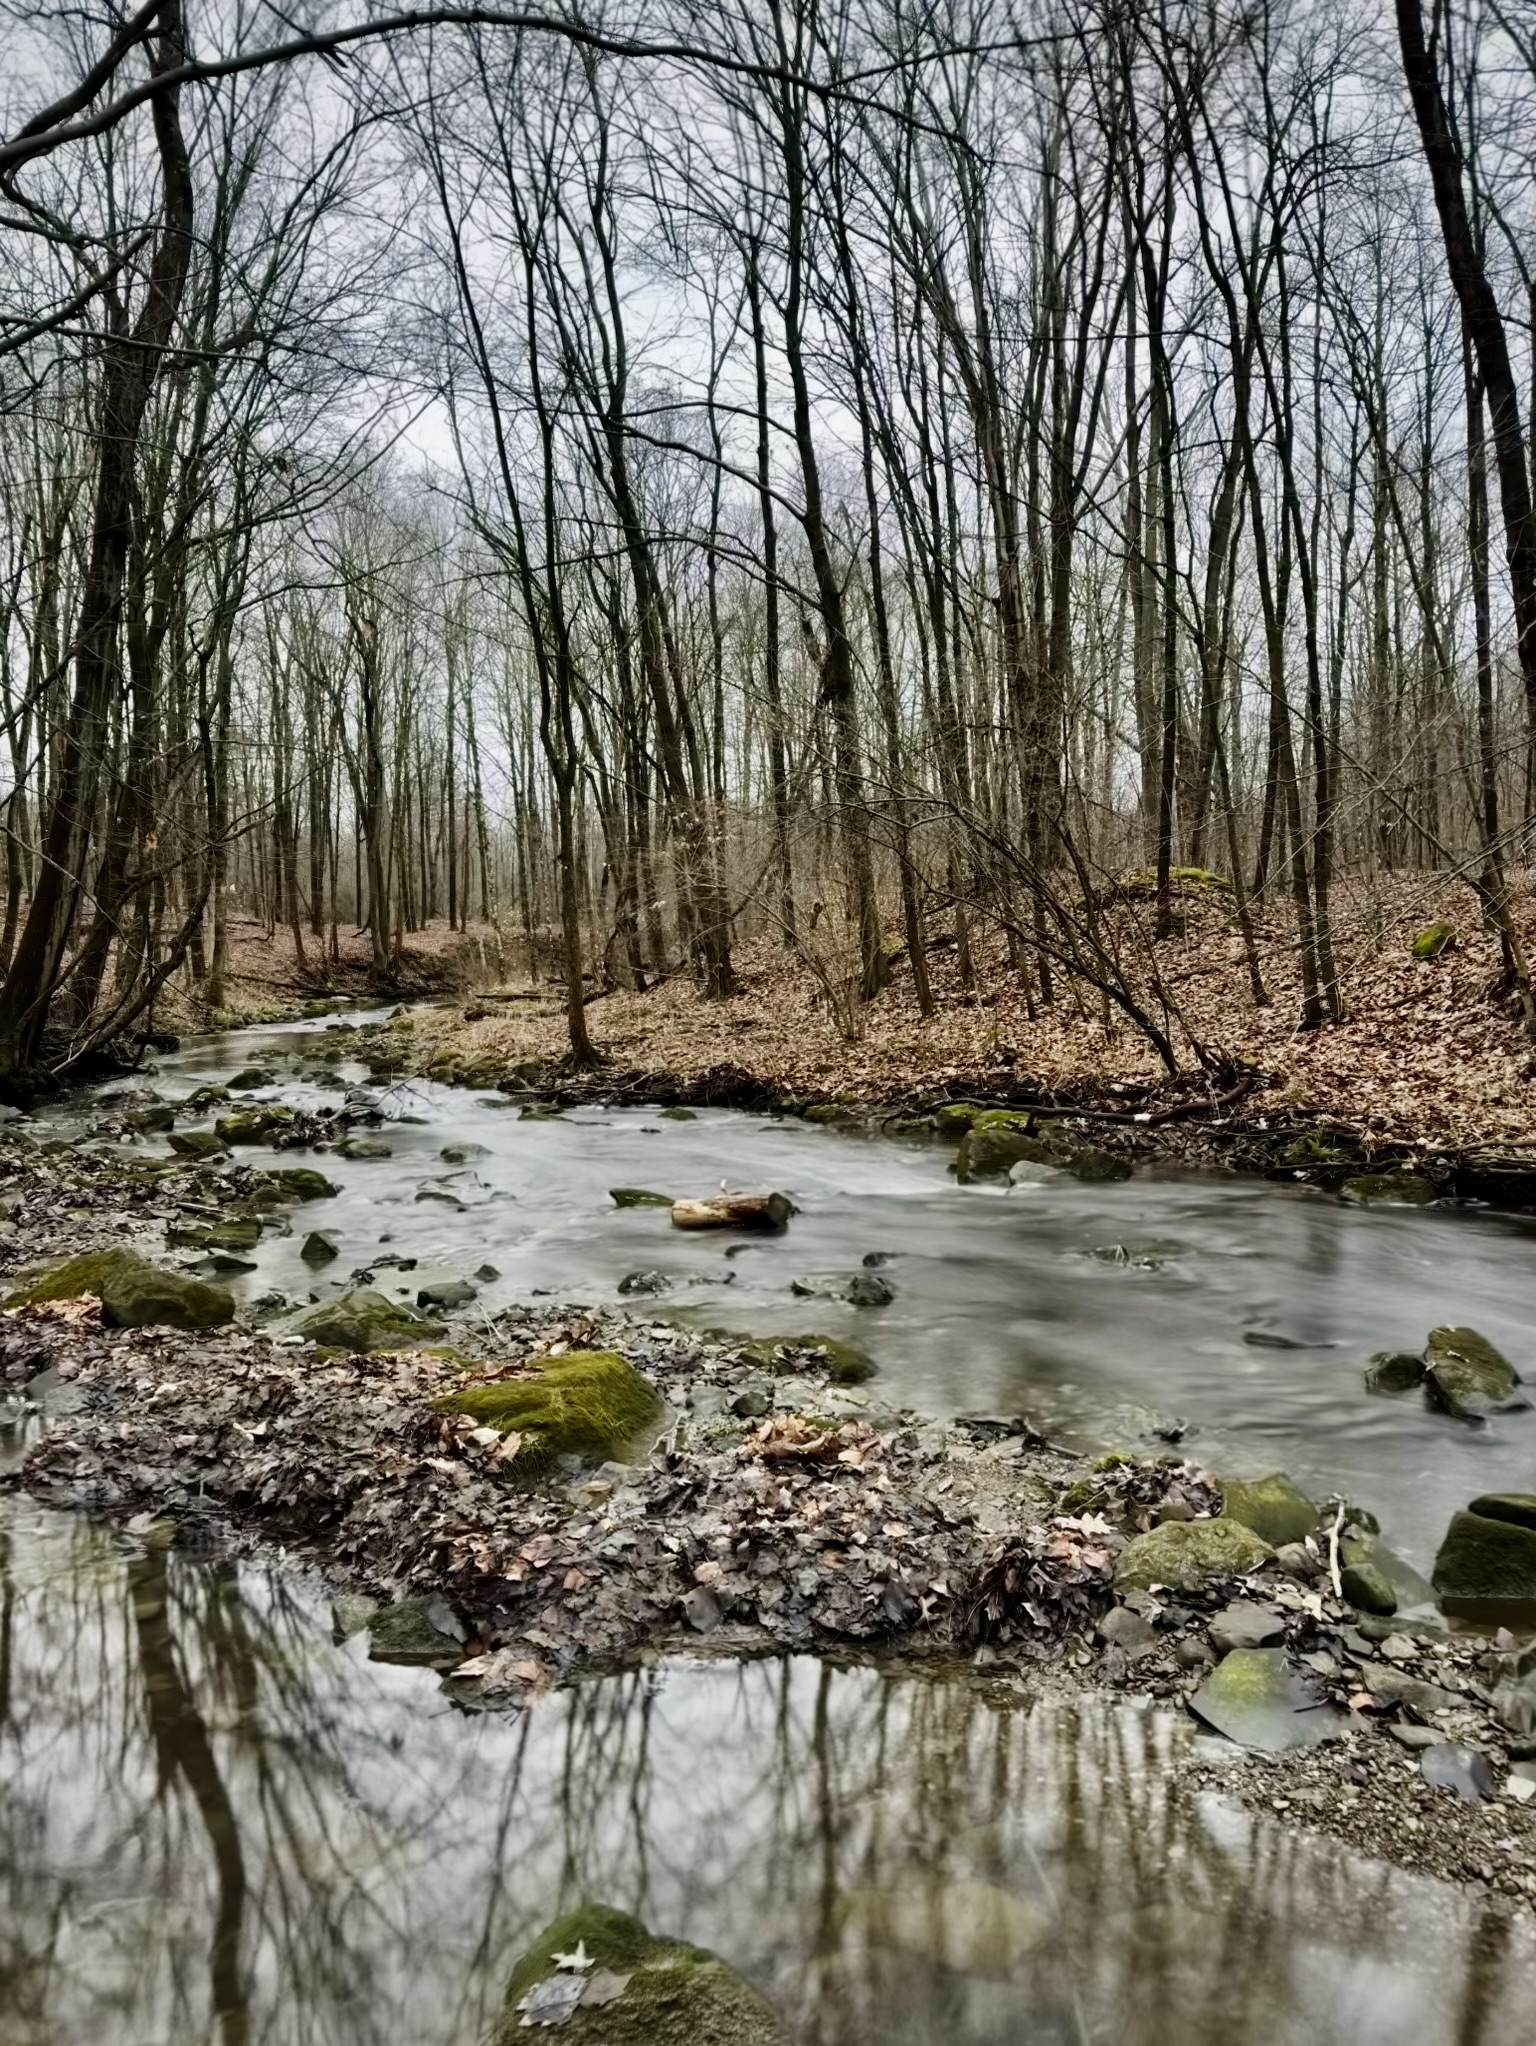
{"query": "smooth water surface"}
pixel 219 1829
pixel 1252 1330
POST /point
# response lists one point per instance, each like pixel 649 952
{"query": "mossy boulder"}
pixel 1434 941
pixel 1368 1589
pixel 1184 1553
pixel 300 1183
pixel 1255 1697
pixel 1467 1376
pixel 363 1320
pixel 842 1362
pixel 364 1147
pixel 1489 1551
pixel 638 1991
pixel 1387 1190
pixel 1275 1509
pixel 197 1143
pixel 988 1149
pixel 133 1292
pixel 954 1118
pixel 254 1125
pixel 590 1404
pixel 156 1120
pixel 638 1197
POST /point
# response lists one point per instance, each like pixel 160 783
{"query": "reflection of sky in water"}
pixel 218 1827
pixel 1000 1306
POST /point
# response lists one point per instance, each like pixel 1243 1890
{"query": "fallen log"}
pixel 733 1211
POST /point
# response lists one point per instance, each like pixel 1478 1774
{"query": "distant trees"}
pixel 871 473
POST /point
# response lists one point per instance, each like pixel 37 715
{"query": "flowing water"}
pixel 220 1826
pixel 1251 1327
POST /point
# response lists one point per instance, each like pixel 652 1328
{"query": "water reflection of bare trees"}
pixel 218 1827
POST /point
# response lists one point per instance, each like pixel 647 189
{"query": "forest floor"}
pixel 1428 1053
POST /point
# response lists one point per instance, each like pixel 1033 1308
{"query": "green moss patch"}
pixel 590 1404
pixel 133 1292
pixel 364 1320
pixel 638 1991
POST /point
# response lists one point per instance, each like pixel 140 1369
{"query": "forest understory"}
pixel 1430 1053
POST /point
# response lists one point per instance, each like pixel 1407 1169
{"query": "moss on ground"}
pixel 590 1404
pixel 133 1292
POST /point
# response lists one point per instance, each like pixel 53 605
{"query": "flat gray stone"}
pixel 1257 1699
pixel 1246 1624
pixel 1463 1770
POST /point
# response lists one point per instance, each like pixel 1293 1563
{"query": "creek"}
pixel 222 1825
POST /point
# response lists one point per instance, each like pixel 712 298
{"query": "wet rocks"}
pixel 320 1246
pixel 197 1144
pixel 251 1077
pixel 1467 1376
pixel 300 1183
pixel 1276 1510
pixel 445 1293
pixel 1184 1553
pixel 422 1633
pixel 600 1976
pixel 254 1125
pixel 133 1292
pixel 1368 1589
pixel 364 1147
pixel 590 1404
pixel 645 1282
pixel 997 1141
pixel 1489 1551
pixel 1255 1697
pixel 859 1289
pixel 1387 1190
pixel 1393 1372
pixel 362 1320
pixel 638 1197
pixel 462 1153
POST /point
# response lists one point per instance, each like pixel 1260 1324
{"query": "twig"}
pixel 1333 1552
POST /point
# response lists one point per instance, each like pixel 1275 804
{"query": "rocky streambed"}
pixel 519 1495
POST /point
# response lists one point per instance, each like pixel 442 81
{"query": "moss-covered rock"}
pixel 638 1991
pixel 1276 1510
pixel 1467 1376
pixel 133 1292
pixel 638 1197
pixel 678 1113
pixel 954 1118
pixel 254 1125
pixel 156 1120
pixel 842 1362
pixel 235 1232
pixel 1183 1553
pixel 422 1633
pixel 364 1147
pixel 1254 1696
pixel 1434 941
pixel 1387 1190
pixel 300 1183
pixel 591 1404
pixel 363 1320
pixel 1489 1551
pixel 1368 1589
pixel 989 1149
pixel 197 1143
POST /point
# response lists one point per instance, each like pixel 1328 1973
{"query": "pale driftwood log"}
pixel 733 1211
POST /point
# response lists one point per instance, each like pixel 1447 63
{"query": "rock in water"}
pixel 770 1211
pixel 320 1246
pixel 133 1292
pixel 1467 1376
pixel 197 1143
pixel 300 1183
pixel 633 1989
pixel 645 1282
pixel 254 1125
pixel 590 1404
pixel 1489 1551
pixel 462 1153
pixel 1183 1553
pixel 1254 1697
pixel 1394 1371
pixel 1272 1506
pixel 638 1197
pixel 422 1632
pixel 445 1293
pixel 364 1320
pixel 1387 1190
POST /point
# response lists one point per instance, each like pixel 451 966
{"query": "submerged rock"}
pixel 1256 1698
pixel 645 1282
pixel 1387 1190
pixel 860 1289
pixel 364 1147
pixel 363 1320
pixel 1391 1372
pixel 590 1404
pixel 604 1980
pixel 197 1143
pixel 1467 1376
pixel 133 1292
pixel 1183 1553
pixel 320 1246
pixel 1489 1551
pixel 1276 1510
pixel 300 1183
pixel 251 1076
pixel 463 1153
pixel 254 1125
pixel 638 1197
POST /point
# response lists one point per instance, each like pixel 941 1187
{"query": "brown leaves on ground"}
pixel 1040 1584
pixel 792 1435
